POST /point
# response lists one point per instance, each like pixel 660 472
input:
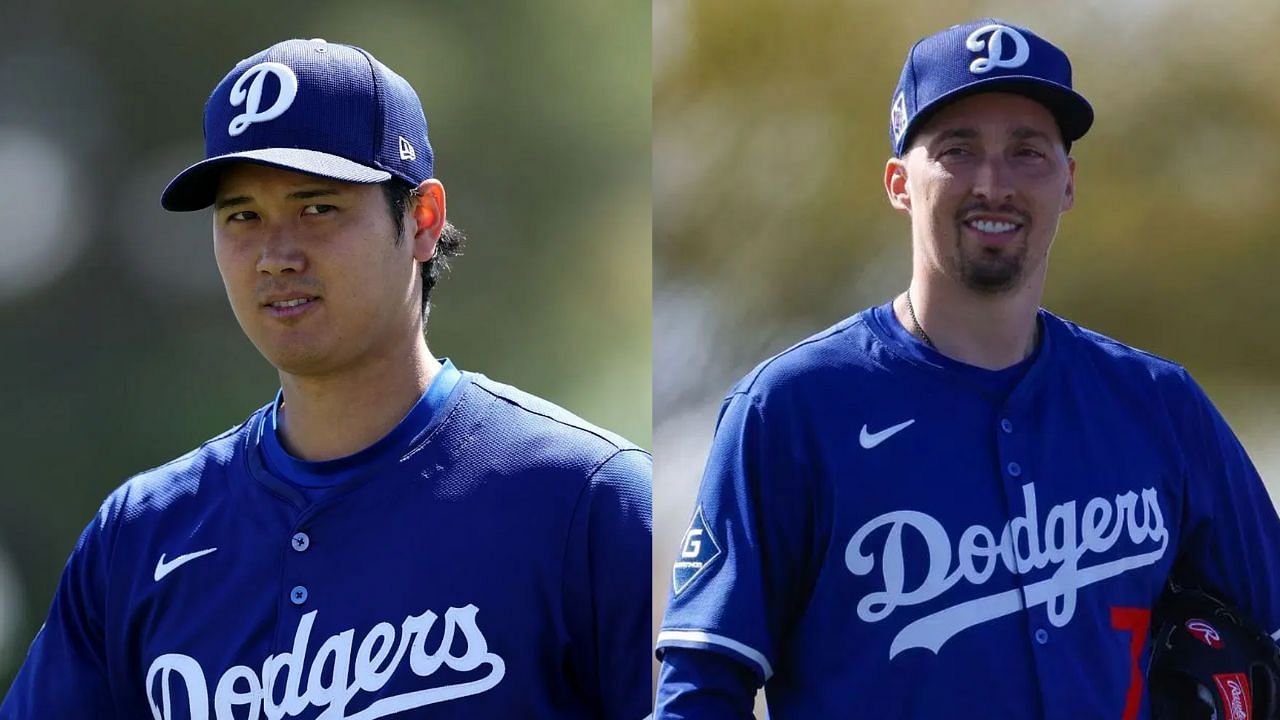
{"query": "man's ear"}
pixel 429 218
pixel 895 184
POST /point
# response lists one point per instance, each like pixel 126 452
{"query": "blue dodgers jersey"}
pixel 883 532
pixel 491 563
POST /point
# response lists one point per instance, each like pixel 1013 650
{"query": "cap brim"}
pixel 1073 113
pixel 195 187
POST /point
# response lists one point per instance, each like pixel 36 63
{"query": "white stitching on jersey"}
pixel 701 636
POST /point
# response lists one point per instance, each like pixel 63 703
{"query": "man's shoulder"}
pixel 536 430
pixel 1113 369
pixel 1113 356
pixel 844 353
pixel 180 479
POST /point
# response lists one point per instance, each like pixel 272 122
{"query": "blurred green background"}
pixel 119 350
pixel 770 134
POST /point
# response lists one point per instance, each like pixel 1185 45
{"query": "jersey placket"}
pixel 1018 469
pixel 300 593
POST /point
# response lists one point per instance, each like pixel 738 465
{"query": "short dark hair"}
pixel 399 195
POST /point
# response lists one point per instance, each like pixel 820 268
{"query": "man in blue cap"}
pixel 391 536
pixel 957 504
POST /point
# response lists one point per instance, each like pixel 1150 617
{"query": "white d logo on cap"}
pixel 253 96
pixel 995 48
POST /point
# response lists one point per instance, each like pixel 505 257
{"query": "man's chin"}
pixel 991 278
pixel 298 360
pixel 992 270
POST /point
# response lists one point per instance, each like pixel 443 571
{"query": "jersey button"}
pixel 1015 469
pixel 298 595
pixel 1006 425
pixel 1042 636
pixel 301 542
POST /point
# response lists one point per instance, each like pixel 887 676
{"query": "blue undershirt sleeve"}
pixel 703 685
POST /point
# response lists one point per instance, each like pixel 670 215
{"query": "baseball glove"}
pixel 1208 662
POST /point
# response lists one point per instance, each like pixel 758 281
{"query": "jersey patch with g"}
pixel 698 551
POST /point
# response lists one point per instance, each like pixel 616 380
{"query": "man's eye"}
pixel 318 209
pixel 242 216
pixel 953 152
pixel 1030 152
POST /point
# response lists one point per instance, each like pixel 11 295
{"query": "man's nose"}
pixel 281 252
pixel 992 181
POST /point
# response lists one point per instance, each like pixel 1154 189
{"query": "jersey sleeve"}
pixel 608 562
pixel 65 671
pixel 700 685
pixel 1231 537
pixel 743 568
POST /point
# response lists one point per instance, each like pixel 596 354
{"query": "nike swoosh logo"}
pixel 164 568
pixel 870 440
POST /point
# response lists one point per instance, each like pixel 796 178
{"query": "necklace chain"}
pixel 918 329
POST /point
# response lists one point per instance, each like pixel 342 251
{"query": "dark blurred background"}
pixel 770 219
pixel 119 350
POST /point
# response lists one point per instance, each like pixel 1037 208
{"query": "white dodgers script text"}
pixel 1068 536
pixel 336 676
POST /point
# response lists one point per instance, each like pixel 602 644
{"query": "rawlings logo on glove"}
pixel 1209 661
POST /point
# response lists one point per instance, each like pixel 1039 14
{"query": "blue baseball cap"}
pixel 986 55
pixel 314 107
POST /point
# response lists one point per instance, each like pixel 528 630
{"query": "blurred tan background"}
pixel 770 220
pixel 119 350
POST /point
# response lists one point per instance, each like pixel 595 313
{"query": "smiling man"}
pixel 391 536
pixel 957 504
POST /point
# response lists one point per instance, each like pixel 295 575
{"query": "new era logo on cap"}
pixel 985 56
pixel 315 107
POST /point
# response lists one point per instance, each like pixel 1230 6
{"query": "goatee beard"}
pixel 990 273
